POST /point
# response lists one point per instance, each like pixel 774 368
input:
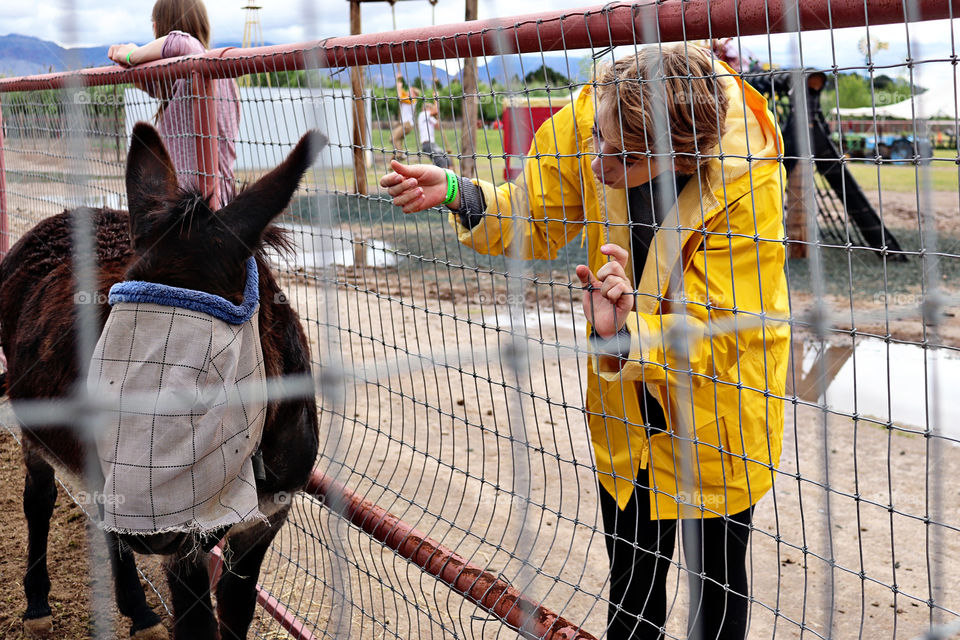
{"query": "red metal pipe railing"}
pixel 591 27
pixel 487 591
pixel 276 609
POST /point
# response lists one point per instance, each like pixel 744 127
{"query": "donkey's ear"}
pixel 150 174
pixel 255 207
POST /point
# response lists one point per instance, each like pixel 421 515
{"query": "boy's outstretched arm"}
pixel 416 187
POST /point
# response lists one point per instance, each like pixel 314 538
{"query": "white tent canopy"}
pixel 931 104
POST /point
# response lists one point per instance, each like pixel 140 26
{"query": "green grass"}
pixel 942 174
pixel 489 141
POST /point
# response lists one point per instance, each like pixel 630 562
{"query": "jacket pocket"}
pixel 716 465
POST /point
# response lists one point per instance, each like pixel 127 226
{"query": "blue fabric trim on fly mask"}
pixel 221 308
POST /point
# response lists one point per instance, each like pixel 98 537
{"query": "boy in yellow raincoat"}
pixel 669 164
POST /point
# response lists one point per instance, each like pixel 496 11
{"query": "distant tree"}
pixel 852 90
pixel 586 67
pixel 883 81
pixel 545 77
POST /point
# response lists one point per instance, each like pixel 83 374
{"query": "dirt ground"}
pixel 441 433
pixel 69 556
pixel 429 420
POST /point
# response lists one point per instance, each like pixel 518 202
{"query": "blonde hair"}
pixel 673 84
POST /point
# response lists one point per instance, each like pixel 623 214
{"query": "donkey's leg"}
pixel 245 547
pixel 146 625
pixel 189 583
pixel 39 497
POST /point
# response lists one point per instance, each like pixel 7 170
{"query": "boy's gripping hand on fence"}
pixel 416 187
pixel 608 295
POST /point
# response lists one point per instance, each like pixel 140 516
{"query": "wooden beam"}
pixel 471 103
pixel 359 111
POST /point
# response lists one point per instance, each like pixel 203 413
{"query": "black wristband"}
pixel 472 204
pixel 616 345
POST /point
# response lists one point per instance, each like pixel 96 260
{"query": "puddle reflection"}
pixel 886 382
pixel 318 248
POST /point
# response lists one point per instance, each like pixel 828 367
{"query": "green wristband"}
pixel 129 64
pixel 452 187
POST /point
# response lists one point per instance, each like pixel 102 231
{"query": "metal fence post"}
pixel 4 225
pixel 205 125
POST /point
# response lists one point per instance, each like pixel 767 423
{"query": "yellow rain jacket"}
pixel 715 269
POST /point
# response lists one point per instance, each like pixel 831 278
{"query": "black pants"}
pixel 640 551
pixel 437 153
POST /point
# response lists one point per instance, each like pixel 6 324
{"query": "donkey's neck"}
pixel 226 281
pixel 138 291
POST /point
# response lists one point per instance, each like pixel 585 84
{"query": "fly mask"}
pixel 182 372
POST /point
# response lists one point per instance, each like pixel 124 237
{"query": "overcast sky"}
pixel 94 22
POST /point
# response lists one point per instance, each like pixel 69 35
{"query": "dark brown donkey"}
pixel 170 237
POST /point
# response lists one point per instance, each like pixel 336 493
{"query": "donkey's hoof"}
pixel 38 628
pixel 156 632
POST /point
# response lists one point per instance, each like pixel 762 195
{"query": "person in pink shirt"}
pixel 183 28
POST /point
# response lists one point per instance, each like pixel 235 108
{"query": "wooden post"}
pixel 359 252
pixel 799 179
pixel 359 111
pixel 471 103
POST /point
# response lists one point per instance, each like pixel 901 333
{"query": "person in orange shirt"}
pixel 406 96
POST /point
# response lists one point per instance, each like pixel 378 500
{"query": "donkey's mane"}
pixel 186 202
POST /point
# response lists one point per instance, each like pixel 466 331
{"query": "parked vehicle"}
pixel 894 147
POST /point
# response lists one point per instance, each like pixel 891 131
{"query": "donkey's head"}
pixel 178 240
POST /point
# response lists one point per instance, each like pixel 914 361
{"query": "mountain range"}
pixel 27 55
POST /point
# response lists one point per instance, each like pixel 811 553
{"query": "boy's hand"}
pixel 118 52
pixel 607 296
pixel 416 187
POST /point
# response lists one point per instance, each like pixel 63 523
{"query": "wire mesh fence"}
pixel 781 382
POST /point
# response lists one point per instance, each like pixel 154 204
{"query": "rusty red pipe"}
pixel 481 587
pixel 591 27
pixel 276 609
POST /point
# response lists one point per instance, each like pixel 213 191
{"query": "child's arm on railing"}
pixel 132 54
pixel 175 43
